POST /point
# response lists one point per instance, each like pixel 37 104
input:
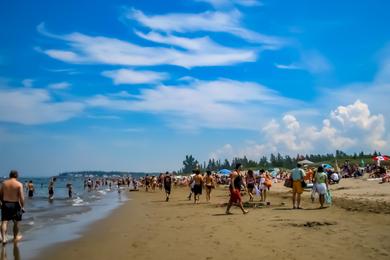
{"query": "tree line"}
pixel 273 161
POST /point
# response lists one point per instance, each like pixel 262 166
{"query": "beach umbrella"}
pixel 224 171
pixel 327 166
pixel 381 158
pixel 303 162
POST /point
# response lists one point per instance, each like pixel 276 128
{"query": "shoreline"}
pixel 147 227
pixel 60 229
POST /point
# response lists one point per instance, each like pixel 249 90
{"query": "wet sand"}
pixel 357 226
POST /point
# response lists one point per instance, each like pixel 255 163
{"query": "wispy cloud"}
pixel 34 106
pixel 128 76
pixel 287 67
pixel 210 21
pixel 86 49
pixel 60 85
pixel 312 61
pixel 211 104
pixel 230 3
pixel 27 83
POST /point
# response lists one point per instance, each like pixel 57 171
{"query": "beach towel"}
pixel 328 197
pixel 257 190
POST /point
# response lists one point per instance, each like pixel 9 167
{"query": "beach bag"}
pixel 328 197
pixel 257 190
pixel 268 183
pixel 288 183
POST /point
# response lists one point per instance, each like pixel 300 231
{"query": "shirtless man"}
pixel 235 190
pixel 31 189
pixel 12 198
pixel 167 185
pixel 198 184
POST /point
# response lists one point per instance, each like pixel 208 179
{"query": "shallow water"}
pixel 47 222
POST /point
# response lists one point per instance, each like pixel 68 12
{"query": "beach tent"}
pixel 274 172
pixel 327 166
pixel 224 171
pixel 303 162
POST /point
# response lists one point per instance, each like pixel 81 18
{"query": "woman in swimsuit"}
pixel 250 183
pixel 210 184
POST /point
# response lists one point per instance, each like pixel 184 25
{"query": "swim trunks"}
pixel 297 187
pixel 11 211
pixel 235 195
pixel 30 193
pixel 197 189
pixel 167 189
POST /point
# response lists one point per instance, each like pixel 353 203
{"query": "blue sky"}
pixel 137 85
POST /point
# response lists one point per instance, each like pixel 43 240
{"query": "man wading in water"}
pixel 12 208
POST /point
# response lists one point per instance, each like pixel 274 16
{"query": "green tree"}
pixel 189 164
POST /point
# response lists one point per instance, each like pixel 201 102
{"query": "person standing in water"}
pixel 12 208
pixel 31 189
pixel 51 188
pixel 70 189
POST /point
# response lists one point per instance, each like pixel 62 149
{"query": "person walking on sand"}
pixel 31 189
pixel 250 183
pixel 147 182
pixel 321 184
pixel 12 208
pixel 262 186
pixel 210 184
pixel 198 184
pixel 297 176
pixel 167 181
pixel 235 190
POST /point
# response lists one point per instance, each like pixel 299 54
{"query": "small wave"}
pixel 79 202
pixel 102 192
pixel 31 223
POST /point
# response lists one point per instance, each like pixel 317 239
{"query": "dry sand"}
pixel 147 227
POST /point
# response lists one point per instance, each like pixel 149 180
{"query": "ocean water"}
pixel 47 222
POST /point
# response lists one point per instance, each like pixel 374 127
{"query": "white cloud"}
pixel 230 3
pixel 351 127
pixel 288 67
pixel 27 83
pixel 60 85
pixel 102 50
pixel 227 22
pixel 214 104
pixel 312 61
pixel 128 76
pixel 34 106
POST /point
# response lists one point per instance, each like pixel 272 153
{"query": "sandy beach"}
pixel 356 226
